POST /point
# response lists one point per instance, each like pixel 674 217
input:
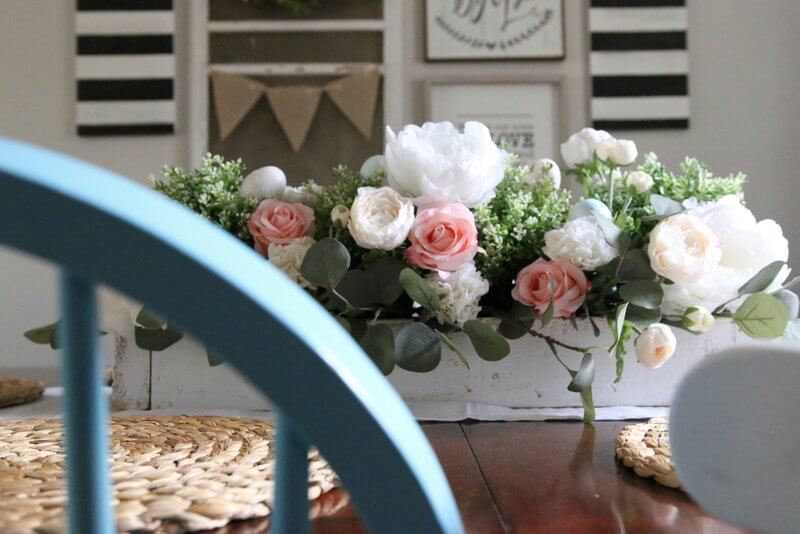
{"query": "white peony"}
pixel 380 218
pixel 266 182
pixel 580 146
pixel 683 248
pixel 437 163
pixel 746 247
pixel 544 167
pixel 698 320
pixel 117 312
pixel 617 151
pixel 580 241
pixel 289 258
pixel 655 345
pixel 640 181
pixel 459 294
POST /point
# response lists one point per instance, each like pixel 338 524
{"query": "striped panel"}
pixel 125 67
pixel 639 64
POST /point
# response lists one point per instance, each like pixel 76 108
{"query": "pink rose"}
pixel 279 223
pixel 443 238
pixel 570 285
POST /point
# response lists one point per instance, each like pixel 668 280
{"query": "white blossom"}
pixel 380 218
pixel 580 241
pixel 459 294
pixel 289 258
pixel 655 345
pixel 580 146
pixel 617 151
pixel 683 248
pixel 640 181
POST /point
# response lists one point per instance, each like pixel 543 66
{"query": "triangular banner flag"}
pixel 357 97
pixel 294 107
pixel 234 96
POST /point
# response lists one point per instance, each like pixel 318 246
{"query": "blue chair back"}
pixel 99 227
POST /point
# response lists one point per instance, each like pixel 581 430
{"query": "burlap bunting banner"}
pixel 295 106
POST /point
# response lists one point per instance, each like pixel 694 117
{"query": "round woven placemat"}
pixel 645 448
pixel 14 391
pixel 178 472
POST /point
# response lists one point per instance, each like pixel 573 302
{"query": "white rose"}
pixel 306 194
pixel 580 241
pixel 617 151
pixel 746 245
pixel 640 181
pixel 437 163
pixel 544 168
pixel 655 345
pixel 580 146
pixel 683 248
pixel 459 294
pixel 266 182
pixel 289 258
pixel 380 218
pixel 340 214
pixel 698 320
pixel 117 312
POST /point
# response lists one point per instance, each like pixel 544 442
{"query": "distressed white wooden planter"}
pixel 180 378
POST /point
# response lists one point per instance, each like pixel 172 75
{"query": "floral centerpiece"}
pixel 446 228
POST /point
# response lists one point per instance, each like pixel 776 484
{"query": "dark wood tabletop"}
pixel 536 477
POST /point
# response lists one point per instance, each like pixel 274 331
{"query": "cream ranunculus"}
pixel 655 345
pixel 746 246
pixel 617 151
pixel 698 320
pixel 580 241
pixel 544 168
pixel 640 181
pixel 459 294
pixel 437 163
pixel 380 218
pixel 580 146
pixel 289 258
pixel 683 248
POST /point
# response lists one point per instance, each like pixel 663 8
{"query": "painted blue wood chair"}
pixel 99 227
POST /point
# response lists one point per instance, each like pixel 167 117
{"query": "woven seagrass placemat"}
pixel 184 473
pixel 14 391
pixel 645 448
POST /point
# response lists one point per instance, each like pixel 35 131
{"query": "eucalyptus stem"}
pixel 455 348
pixel 554 341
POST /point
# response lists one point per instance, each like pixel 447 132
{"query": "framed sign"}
pixel 524 115
pixel 494 29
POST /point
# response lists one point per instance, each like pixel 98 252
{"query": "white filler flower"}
pixel 580 147
pixel 746 246
pixel 640 181
pixel 655 345
pixel 437 163
pixel 380 218
pixel 289 258
pixel 683 248
pixel 580 241
pixel 544 168
pixel 459 294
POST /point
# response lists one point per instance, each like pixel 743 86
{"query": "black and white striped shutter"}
pixel 125 67
pixel 639 64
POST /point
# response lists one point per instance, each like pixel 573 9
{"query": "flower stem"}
pixel 455 348
pixel 554 341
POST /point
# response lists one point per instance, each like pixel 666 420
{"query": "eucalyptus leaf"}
pixel 489 345
pixel 157 340
pixel 762 316
pixel 664 206
pixel 419 290
pixel 513 328
pixel 642 316
pixel 325 263
pixel 635 266
pixel 613 234
pixel 359 288
pixel 386 272
pixel 790 300
pixel 149 320
pixel 619 321
pixel 792 283
pixel 343 323
pixel 214 361
pixel 378 343
pixel 582 378
pixel 43 334
pixel 643 293
pixel 762 279
pixel 358 327
pixel 417 348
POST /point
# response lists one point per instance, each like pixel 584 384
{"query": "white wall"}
pixel 745 71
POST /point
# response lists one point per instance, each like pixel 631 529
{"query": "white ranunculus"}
pixel 683 248
pixel 617 151
pixel 459 294
pixel 307 194
pixel 580 241
pixel 117 312
pixel 698 320
pixel 437 163
pixel 640 181
pixel 746 246
pixel 380 218
pixel 373 165
pixel 266 182
pixel 341 215
pixel 580 146
pixel 544 168
pixel 289 258
pixel 655 345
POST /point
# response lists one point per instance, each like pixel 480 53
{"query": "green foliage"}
pixel 487 343
pixel 511 226
pixel 342 193
pixel 762 316
pixel 211 191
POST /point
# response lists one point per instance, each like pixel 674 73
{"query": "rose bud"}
pixel 655 345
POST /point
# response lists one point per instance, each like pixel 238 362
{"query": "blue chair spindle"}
pixel 290 514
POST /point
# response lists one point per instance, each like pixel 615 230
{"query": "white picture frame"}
pixel 524 114
pixel 494 29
